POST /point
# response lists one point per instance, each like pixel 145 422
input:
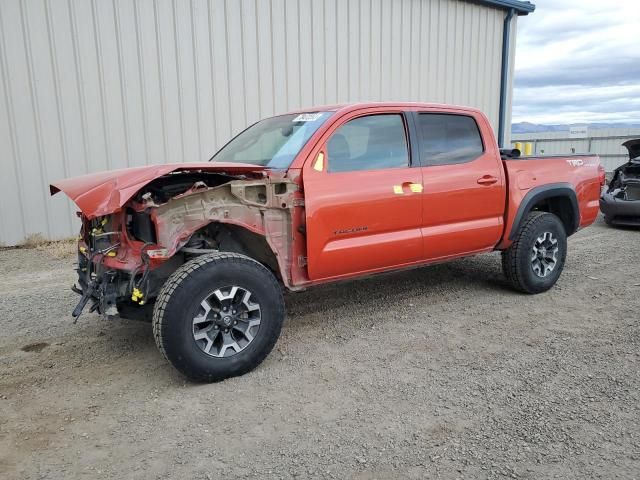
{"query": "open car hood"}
pixel 103 193
pixel 634 148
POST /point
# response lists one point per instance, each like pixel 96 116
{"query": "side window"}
pixel 368 143
pixel 448 139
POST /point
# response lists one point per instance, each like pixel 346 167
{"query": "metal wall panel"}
pixel 88 85
pixel 606 142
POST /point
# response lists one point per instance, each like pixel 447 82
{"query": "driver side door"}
pixel 363 199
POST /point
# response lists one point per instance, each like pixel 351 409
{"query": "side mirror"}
pixel 509 153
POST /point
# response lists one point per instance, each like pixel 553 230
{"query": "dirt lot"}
pixel 437 372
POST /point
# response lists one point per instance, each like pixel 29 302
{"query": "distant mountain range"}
pixel 526 127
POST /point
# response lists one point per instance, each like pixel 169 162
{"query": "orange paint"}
pixel 354 223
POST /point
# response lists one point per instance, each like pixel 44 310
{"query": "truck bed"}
pixel 530 174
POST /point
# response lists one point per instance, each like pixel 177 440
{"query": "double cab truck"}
pixel 327 194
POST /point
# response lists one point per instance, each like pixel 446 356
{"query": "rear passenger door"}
pixel 464 185
pixel 363 198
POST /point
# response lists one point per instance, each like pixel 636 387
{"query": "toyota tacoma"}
pixel 204 250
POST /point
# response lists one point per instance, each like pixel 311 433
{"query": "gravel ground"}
pixel 437 372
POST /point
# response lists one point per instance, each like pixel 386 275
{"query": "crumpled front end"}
pixel 118 263
pixel 128 250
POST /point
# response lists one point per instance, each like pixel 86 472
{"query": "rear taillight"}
pixel 602 176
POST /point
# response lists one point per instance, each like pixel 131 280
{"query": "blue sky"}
pixel 578 61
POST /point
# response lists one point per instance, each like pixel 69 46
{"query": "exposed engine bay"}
pixel 620 202
pixel 124 258
pixel 625 183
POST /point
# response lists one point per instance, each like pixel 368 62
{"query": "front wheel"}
pixel 218 316
pixel 533 263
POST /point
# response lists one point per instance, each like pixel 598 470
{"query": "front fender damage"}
pixel 260 206
pixel 132 274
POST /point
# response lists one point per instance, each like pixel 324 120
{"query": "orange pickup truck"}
pixel 325 194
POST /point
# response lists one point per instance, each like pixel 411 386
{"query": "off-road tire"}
pixel 516 260
pixel 179 301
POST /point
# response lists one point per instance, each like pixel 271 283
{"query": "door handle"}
pixel 407 187
pixel 487 180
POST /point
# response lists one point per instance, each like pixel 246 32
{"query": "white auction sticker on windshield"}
pixel 307 117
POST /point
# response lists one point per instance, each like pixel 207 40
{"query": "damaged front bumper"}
pixel 96 288
pixel 114 272
pixel 618 211
pixel 104 288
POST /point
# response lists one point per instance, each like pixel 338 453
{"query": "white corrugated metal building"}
pixel 89 85
pixel 606 142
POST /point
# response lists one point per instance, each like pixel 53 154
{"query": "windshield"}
pixel 273 142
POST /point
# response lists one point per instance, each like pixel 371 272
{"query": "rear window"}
pixel 448 139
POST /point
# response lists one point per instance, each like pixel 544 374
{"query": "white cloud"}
pixel 578 61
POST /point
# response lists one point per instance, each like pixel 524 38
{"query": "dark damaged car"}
pixel 620 201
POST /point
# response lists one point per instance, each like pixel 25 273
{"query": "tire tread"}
pixel 176 282
pixel 510 265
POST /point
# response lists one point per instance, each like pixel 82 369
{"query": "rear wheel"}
pixel 534 262
pixel 218 316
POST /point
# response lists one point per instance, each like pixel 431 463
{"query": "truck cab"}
pixel 401 186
